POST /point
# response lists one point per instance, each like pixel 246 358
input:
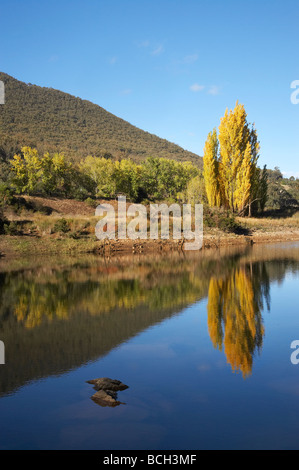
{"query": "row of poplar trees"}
pixel 232 178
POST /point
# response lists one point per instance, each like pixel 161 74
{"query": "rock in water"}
pixel 104 383
pixel 107 389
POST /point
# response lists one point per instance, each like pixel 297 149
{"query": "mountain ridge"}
pixel 52 120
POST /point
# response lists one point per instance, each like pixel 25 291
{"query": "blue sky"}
pixel 170 67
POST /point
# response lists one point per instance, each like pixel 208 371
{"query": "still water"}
pixel 202 341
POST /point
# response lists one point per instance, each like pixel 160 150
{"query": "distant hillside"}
pixel 51 120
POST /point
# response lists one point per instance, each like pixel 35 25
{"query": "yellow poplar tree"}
pixel 233 138
pixel 243 189
pixel 239 152
pixel 211 170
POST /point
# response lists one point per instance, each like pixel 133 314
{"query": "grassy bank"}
pixel 53 226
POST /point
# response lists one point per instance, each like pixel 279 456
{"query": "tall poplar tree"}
pixel 233 138
pixel 231 174
pixel 211 170
pixel 243 189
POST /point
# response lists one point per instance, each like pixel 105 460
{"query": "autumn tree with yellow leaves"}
pixel 211 170
pixel 232 177
pixel 32 173
pixel 26 170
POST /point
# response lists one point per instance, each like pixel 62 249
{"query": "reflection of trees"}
pixel 55 320
pixel 234 314
pixel 33 302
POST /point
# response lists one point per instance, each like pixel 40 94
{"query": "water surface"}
pixel 202 340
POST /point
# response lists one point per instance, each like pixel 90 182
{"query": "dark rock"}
pixel 107 389
pixel 105 383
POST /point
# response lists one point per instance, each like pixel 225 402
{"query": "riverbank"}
pixel 32 245
pixel 62 226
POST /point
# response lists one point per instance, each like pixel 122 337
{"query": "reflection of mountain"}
pixel 234 313
pixel 53 319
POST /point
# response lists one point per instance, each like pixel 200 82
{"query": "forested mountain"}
pixel 51 120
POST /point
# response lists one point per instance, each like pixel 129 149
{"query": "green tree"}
pixel 26 170
pixel 127 177
pixel 102 172
pixel 196 191
pixel 263 195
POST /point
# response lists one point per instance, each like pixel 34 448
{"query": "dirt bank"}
pixel 25 245
pixel 37 232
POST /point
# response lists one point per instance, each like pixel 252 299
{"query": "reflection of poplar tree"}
pixel 215 312
pixel 234 317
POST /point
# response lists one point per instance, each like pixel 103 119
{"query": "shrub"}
pixel 218 218
pixel 228 223
pixel 6 195
pixel 79 194
pixel 61 226
pixel 91 202
pixel 11 228
pixel 2 221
